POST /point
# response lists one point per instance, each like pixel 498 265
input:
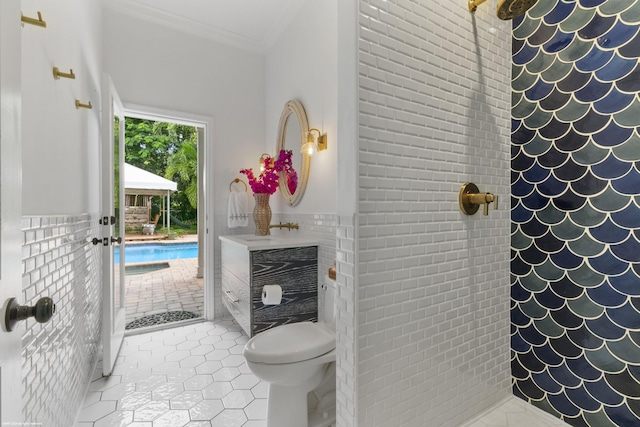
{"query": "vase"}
pixel 262 214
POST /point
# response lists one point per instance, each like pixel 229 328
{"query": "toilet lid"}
pixel 289 343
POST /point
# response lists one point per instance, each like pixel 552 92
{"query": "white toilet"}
pixel 298 362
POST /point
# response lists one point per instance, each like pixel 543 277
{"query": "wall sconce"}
pixel 314 144
pixel 264 157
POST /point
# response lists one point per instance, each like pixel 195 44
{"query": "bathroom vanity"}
pixel 250 262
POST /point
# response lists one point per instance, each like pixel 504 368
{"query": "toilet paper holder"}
pixel 263 291
pixel 267 299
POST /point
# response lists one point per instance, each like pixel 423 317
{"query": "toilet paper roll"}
pixel 271 294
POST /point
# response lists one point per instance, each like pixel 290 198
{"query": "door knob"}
pixel 42 311
pixel 105 241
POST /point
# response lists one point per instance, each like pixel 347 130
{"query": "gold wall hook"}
pixel 81 105
pixel 57 74
pixel 470 199
pixel 33 21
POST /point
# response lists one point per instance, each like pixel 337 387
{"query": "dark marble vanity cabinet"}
pixel 248 265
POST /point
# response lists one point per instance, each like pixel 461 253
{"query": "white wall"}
pixel 61 203
pixel 243 92
pixel 155 66
pixel 302 65
pixel 61 143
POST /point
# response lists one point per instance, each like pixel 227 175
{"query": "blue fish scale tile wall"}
pixel 575 289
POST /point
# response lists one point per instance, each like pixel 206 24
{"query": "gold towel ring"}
pixel 236 181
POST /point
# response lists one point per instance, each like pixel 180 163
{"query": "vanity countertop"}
pixel 252 242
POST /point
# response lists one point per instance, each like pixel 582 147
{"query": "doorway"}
pixel 167 276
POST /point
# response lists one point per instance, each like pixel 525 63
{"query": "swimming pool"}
pixel 142 268
pixel 157 252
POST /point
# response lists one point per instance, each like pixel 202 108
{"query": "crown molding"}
pixel 192 27
pixel 287 14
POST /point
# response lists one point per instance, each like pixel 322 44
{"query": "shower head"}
pixel 507 9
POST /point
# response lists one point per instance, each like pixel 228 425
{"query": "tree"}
pixel 149 145
pixel 183 165
pixel 146 146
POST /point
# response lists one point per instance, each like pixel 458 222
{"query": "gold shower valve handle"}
pixel 482 199
pixel 470 199
pixel 490 198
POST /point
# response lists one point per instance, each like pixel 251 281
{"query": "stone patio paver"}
pixel 171 289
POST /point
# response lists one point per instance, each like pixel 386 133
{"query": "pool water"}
pixel 157 252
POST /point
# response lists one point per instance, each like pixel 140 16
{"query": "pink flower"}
pixel 292 181
pixel 284 164
pixel 267 181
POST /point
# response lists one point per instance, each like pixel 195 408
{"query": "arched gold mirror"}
pixel 292 134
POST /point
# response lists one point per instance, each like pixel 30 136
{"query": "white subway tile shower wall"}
pixel 433 287
pixel 319 226
pixel 346 323
pixel 58 357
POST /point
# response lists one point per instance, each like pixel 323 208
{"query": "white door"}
pixel 113 318
pixel 10 209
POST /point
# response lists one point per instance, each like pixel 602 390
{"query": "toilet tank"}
pixel 329 302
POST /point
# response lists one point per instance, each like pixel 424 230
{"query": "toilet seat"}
pixel 290 343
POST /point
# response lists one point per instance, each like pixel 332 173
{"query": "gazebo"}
pixel 139 187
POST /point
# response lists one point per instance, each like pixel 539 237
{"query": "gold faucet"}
pixel 470 199
pixel 288 225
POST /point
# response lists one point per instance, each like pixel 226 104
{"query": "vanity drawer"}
pixel 236 297
pixel 236 261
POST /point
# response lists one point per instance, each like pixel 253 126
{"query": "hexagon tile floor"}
pixel 196 376
pixel 188 376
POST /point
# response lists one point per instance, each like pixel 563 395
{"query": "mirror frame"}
pixel 295 109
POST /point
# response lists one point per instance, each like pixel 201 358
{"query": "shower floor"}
pixel 514 412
